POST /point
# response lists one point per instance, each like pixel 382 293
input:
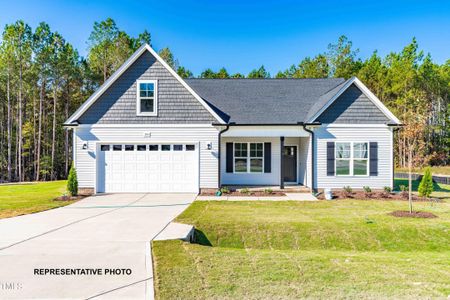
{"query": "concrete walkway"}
pixel 288 197
pixel 108 232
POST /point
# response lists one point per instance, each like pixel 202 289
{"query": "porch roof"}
pixel 266 131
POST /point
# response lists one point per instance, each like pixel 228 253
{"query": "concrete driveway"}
pixel 104 234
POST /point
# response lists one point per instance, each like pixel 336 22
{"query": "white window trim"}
pixel 248 157
pixel 352 158
pixel 155 98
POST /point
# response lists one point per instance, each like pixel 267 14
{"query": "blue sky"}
pixel 242 35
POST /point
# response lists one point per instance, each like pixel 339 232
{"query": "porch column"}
pixel 281 162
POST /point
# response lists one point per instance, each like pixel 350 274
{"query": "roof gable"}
pixel 353 107
pixel 329 99
pixel 130 62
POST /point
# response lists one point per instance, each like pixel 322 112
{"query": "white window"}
pixel 147 100
pixel 248 157
pixel 240 157
pixel 352 159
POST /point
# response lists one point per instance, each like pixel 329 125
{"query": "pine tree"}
pixel 426 184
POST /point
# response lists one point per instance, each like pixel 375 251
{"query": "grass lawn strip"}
pixel 21 199
pixel 358 225
pixel 265 274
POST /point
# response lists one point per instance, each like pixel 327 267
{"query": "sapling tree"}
pixel 412 134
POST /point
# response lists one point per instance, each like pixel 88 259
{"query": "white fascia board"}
pixel 265 131
pixel 122 69
pixel 366 91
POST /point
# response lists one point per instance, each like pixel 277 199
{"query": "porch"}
pixel 259 157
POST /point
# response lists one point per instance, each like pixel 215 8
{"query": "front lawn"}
pixel 326 249
pixel 21 199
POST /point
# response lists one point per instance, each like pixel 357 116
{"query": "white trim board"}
pixel 366 91
pixel 122 69
pixel 145 126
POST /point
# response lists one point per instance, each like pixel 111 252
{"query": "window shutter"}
pixel 229 157
pixel 267 157
pixel 330 158
pixel 373 167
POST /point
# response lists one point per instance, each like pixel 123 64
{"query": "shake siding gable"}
pixel 176 105
pixel 353 107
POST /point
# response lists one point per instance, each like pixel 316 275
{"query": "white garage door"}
pixel 159 168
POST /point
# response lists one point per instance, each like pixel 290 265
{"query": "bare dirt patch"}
pixel 414 214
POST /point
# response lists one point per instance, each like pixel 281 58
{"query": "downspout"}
pixel 312 156
pixel 220 151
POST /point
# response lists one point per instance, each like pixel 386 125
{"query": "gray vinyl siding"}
pixel 353 107
pixel 381 135
pixel 176 105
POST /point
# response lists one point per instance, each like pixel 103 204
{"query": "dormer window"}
pixel 147 98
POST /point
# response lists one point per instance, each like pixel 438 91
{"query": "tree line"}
pixel 43 79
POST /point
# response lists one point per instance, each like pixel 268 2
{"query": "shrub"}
pixel 225 190
pixel 386 192
pixel 245 191
pixel 347 191
pixel 72 182
pixel 426 184
pixel 268 191
pixel 367 191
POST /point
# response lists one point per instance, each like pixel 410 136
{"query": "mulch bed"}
pixel 414 214
pixel 376 196
pixel 250 194
pixel 69 198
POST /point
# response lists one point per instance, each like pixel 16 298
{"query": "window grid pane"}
pixel 256 150
pixel 240 150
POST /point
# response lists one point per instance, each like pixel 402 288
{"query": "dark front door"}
pixel 290 163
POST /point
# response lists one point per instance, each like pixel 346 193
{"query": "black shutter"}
pixel 373 167
pixel 229 157
pixel 267 157
pixel 330 158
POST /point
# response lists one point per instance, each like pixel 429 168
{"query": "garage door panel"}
pixel 146 170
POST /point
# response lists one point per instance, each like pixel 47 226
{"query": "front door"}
pixel 290 163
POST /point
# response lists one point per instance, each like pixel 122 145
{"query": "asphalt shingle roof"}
pixel 266 101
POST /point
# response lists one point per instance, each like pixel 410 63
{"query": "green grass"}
pixel 442 170
pixel 327 225
pixel 288 249
pixel 189 271
pixel 20 199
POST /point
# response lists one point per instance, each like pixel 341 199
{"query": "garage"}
pixel 150 168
